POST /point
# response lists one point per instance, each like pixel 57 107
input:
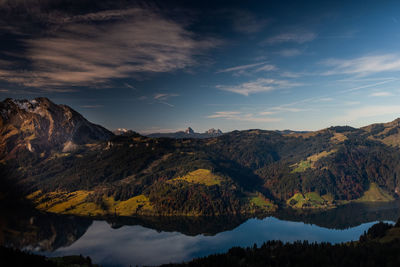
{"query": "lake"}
pixel 154 241
pixel 137 245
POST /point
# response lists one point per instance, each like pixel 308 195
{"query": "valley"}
pixel 68 165
pixel 199 133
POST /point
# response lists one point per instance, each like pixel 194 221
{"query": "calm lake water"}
pixel 138 245
pixel 155 240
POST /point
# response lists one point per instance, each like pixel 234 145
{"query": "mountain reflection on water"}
pixel 346 216
pixel 137 245
pixel 155 240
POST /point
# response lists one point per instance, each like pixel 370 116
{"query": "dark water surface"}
pixel 131 245
pixel 154 241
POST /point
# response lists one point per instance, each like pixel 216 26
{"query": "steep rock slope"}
pixel 40 126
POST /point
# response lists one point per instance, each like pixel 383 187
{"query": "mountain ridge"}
pixel 240 172
pixel 188 133
pixel 40 125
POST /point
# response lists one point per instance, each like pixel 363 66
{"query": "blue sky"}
pixel 164 65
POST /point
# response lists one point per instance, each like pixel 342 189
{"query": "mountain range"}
pixel 188 133
pixel 62 163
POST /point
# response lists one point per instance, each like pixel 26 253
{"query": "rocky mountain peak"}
pixel 189 131
pixel 213 131
pixel 40 125
pixel 122 131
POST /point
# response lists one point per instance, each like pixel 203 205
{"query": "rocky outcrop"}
pixel 40 125
pixel 214 132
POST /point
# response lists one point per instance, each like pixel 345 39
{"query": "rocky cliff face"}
pixel 40 125
pixel 189 131
pixel 123 131
pixel 214 132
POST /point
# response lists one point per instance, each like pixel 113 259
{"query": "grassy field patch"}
pixel 61 202
pixel 338 138
pixel 301 166
pixel 375 194
pixel 310 161
pixel 131 206
pixel 200 176
pixel 77 203
pixel 308 200
pixel 261 202
pixel 391 140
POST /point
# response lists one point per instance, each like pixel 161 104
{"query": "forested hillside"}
pixel 253 171
pixel 377 247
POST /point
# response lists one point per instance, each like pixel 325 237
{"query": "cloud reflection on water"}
pixel 137 245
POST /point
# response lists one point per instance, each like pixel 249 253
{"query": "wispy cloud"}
pixel 85 54
pixel 163 98
pixel 368 112
pixel 291 37
pixel 287 109
pixel 241 67
pixel 240 116
pixel 167 104
pixel 379 94
pixel 281 109
pixel 325 99
pixel 365 65
pixel 266 113
pixel 224 114
pixel 255 67
pixel 376 84
pixel 266 67
pixel 288 74
pixel 127 85
pixel 258 86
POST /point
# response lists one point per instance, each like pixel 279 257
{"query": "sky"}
pixel 161 66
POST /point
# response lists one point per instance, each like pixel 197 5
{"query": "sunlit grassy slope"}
pixel 89 203
pixel 311 200
pixel 314 200
pixel 261 202
pixel 338 138
pixel 309 162
pixel 200 176
pixel 375 194
pixel 301 166
pixel 79 203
